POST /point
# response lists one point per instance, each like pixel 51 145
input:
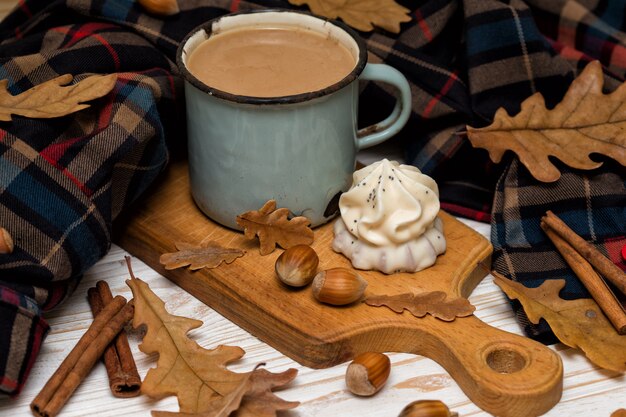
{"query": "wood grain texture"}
pixel 501 372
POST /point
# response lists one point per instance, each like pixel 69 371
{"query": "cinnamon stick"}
pixel 124 379
pixel 82 358
pixel 600 262
pixel 596 286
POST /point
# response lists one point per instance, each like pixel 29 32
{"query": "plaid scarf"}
pixel 64 181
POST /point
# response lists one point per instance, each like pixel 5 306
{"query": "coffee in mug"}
pixel 270 61
pixel 292 137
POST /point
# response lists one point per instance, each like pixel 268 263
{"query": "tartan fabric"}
pixel 554 42
pixel 465 59
pixel 64 181
pixel 593 204
pixel 22 330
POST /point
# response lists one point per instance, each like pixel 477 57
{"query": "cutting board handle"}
pixel 503 373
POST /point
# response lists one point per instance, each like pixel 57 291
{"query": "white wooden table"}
pixel 588 390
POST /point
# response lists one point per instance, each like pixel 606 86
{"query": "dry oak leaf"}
pixel 433 303
pixel 273 227
pixel 209 254
pixel 197 376
pixel 53 98
pixel 160 7
pixel 361 14
pixel 259 400
pixel 252 398
pixel 577 323
pixel 586 121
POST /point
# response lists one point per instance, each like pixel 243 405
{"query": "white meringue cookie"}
pixel 389 203
pixel 412 256
pixel 389 219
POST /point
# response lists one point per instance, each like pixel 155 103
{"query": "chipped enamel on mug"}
pixel 299 150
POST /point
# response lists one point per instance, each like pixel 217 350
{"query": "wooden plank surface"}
pixel 587 391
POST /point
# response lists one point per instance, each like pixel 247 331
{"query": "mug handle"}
pixel 380 132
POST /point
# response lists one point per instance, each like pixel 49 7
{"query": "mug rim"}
pixel 289 99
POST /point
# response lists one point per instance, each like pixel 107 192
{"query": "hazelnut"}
pixel 160 7
pixel 297 265
pixel 427 408
pixel 338 286
pixel 367 373
pixel 6 242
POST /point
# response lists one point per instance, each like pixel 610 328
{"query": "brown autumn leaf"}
pixel 160 7
pixel 361 14
pixel 586 121
pixel 252 398
pixel 433 303
pixel 259 400
pixel 197 376
pixel 54 98
pixel 208 255
pixel 577 323
pixel 273 227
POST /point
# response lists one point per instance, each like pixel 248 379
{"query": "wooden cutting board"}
pixel 503 373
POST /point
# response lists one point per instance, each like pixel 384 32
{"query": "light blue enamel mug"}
pixel 299 150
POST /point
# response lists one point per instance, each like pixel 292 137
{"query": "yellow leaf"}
pixel 361 14
pixel 52 98
pixel 586 121
pixel 577 323
pixel 195 375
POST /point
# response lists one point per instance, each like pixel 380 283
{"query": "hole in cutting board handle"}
pixel 505 360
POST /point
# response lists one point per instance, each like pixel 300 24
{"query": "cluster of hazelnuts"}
pixel 368 372
pixel 297 267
